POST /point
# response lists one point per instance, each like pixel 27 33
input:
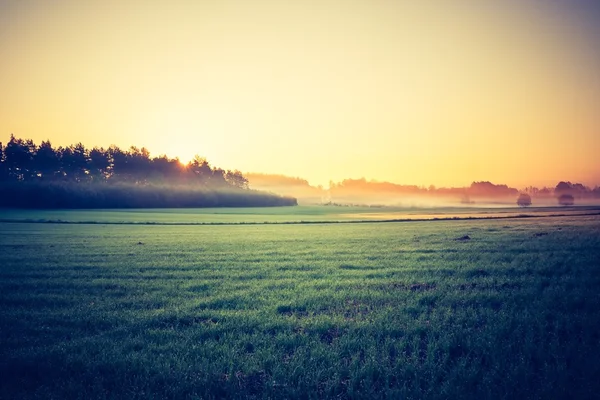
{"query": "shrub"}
pixel 524 200
pixel 566 200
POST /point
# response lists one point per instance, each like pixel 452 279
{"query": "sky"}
pixel 424 92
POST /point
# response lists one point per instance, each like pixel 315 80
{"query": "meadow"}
pixel 284 214
pixel 471 309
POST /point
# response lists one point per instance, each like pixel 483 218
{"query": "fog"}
pixel 360 192
pixel 124 195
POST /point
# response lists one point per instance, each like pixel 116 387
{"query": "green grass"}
pixel 373 310
pixel 197 216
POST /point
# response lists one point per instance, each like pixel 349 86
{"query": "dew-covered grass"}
pixel 296 214
pixel 372 310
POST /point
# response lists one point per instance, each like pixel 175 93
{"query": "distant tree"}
pixel 99 164
pixel 532 191
pixel 200 170
pixel 46 161
pixel 3 173
pixel 18 156
pixel 524 200
pixel 74 162
pixel 577 190
pixel 580 191
pixel 544 192
pixel 164 168
pixel 120 168
pixel 81 159
pixel 563 188
pixel 566 200
pixel 139 164
pixel 217 178
pixel 488 189
pixel 236 179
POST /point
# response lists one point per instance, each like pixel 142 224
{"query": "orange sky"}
pixel 427 92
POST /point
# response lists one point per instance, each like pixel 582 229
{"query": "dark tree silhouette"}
pixel 46 161
pixel 18 156
pixel 577 190
pixel 488 189
pixel 217 178
pixel 120 166
pixel 200 169
pixel 566 200
pixel 165 169
pixel 235 178
pixel 74 176
pixel 524 200
pixel 563 187
pixel 3 172
pixel 74 162
pixel 99 163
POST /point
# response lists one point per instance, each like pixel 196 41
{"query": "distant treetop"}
pixel 524 200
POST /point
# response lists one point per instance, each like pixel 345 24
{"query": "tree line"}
pixel 43 176
pixel 22 160
pixel 482 189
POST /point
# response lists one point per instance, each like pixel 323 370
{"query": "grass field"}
pixel 370 310
pixel 278 215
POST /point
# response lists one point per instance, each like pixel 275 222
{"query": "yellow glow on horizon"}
pixel 426 92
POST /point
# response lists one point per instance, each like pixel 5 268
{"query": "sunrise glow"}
pixel 427 92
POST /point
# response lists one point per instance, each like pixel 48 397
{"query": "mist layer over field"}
pixel 48 195
pixel 381 193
